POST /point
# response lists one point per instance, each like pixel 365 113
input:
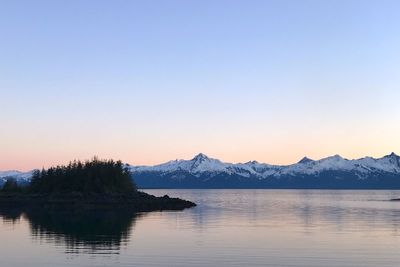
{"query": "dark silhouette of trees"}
pixel 95 176
pixel 95 185
pixel 11 186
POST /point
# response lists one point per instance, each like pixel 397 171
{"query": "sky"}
pixel 151 81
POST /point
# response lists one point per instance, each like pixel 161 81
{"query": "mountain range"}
pixel 202 171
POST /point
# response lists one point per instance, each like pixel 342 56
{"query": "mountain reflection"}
pixel 100 232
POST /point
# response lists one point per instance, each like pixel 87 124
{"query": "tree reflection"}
pixel 95 232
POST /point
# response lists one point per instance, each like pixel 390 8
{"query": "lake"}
pixel 228 228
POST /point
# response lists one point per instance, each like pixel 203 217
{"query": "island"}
pixel 90 185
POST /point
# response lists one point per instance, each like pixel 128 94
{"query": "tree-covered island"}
pixel 91 185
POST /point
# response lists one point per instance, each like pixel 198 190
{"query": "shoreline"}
pixel 137 202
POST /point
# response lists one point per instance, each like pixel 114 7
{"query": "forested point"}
pixel 85 186
pixel 94 176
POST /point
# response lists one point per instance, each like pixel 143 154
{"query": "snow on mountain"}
pixel 305 160
pixel 363 166
pixel 203 164
pixel 200 163
pixel 18 175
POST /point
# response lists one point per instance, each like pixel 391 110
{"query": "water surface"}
pixel 227 228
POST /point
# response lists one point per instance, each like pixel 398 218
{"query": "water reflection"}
pixel 235 228
pixel 10 216
pixel 301 210
pixel 100 232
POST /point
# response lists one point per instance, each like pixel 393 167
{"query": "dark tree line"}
pixel 95 176
pixel 11 185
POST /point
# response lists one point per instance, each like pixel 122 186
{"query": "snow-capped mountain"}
pixel 201 164
pixel 330 172
pixel 205 172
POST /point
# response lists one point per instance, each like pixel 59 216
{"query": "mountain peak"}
pixel 200 157
pixel 336 157
pixel 305 160
pixel 392 155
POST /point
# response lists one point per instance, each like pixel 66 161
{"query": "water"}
pixel 227 228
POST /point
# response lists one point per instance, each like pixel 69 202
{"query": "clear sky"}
pixel 150 81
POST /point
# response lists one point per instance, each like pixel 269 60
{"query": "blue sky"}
pixel 148 81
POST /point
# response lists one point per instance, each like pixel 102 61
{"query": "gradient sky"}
pixel 150 81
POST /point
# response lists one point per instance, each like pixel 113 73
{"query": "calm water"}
pixel 228 228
